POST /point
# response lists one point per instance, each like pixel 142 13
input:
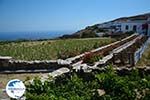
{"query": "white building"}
pixel 141 26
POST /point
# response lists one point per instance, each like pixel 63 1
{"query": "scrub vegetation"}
pixel 145 59
pixel 106 85
pixel 50 49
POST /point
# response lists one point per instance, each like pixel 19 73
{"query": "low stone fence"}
pixel 110 58
pixel 104 49
pixel 119 70
pixel 9 64
pixel 140 51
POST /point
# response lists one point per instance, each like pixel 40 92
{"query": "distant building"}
pixel 141 26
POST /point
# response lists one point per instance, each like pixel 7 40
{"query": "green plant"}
pixel 50 49
pixel 90 58
pixel 132 86
pixel 73 88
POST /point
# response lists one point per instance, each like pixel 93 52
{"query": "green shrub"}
pixel 90 58
pixel 132 86
pixel 51 49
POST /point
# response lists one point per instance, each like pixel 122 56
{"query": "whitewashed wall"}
pixel 148 29
pixel 130 25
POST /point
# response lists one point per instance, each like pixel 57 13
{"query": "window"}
pixel 134 28
pixel 127 27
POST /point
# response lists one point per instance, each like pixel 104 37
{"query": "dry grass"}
pixel 145 60
pixel 4 78
pixel 51 49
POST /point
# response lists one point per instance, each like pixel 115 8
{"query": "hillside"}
pixel 136 17
pixel 92 31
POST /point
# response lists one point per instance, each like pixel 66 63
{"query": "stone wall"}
pixel 9 64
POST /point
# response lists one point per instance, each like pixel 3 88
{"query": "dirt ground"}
pixel 4 78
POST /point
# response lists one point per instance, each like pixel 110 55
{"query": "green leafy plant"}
pixel 132 86
pixel 90 58
pixel 51 49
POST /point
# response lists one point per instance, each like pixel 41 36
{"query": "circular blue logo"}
pixel 15 88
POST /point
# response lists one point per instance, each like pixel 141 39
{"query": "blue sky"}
pixel 62 15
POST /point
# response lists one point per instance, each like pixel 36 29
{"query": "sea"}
pixel 13 36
